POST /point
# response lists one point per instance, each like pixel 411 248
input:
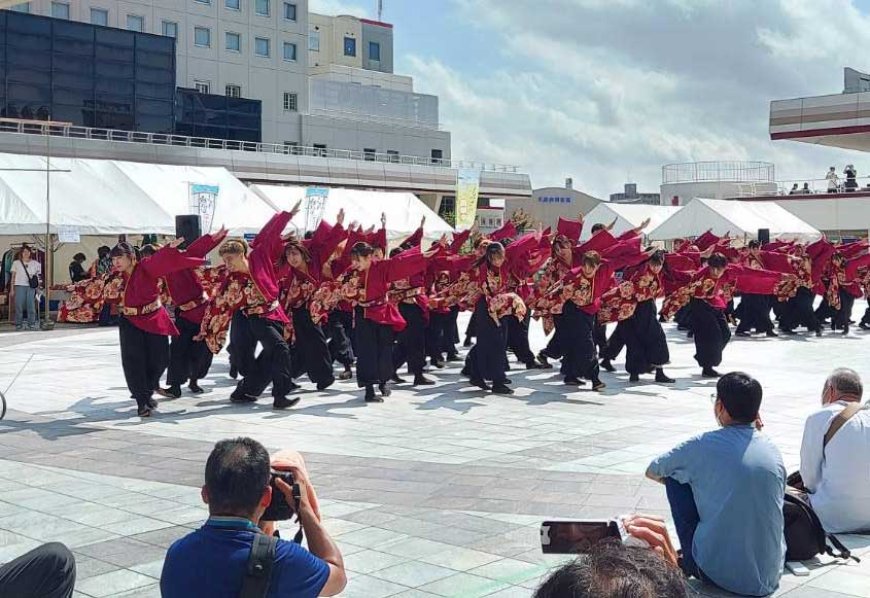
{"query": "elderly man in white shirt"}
pixel 837 475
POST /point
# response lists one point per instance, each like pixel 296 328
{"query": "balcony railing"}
pixel 55 129
pixel 818 186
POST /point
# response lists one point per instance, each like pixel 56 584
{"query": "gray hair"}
pixel 846 381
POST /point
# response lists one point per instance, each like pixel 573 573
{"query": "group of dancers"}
pixel 337 296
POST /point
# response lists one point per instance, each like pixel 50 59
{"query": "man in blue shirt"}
pixel 725 489
pixel 212 561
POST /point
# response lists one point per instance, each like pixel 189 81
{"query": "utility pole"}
pixel 380 10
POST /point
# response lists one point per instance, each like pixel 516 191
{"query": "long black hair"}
pixel 492 249
pixel 125 249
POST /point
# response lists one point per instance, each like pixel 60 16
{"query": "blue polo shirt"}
pixel 211 562
pixel 738 482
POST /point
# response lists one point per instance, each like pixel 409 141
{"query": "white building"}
pixel 324 82
pixel 681 183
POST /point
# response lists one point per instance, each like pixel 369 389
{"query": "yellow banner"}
pixel 467 190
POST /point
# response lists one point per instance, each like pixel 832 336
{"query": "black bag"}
pixel 32 280
pixel 258 573
pixel 804 535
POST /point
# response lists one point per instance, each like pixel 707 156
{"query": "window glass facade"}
pixel 217 116
pixel 87 75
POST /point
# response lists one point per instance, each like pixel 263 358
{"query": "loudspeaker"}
pixel 189 227
pixel 763 236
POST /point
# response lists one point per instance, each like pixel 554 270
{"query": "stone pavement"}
pixel 434 493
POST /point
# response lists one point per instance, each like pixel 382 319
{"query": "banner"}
pixel 315 204
pixel 203 199
pixel 68 234
pixel 467 190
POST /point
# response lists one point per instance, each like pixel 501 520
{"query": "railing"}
pixel 42 128
pixel 719 171
pixel 813 187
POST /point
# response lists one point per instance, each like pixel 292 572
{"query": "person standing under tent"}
pixel 144 325
pixel 26 275
pixel 189 359
pixel 250 293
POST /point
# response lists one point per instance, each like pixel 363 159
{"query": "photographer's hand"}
pixel 319 542
pixel 652 530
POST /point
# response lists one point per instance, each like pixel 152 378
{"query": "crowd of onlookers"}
pixel 726 489
pixel 834 183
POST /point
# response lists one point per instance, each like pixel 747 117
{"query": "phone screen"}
pixel 575 537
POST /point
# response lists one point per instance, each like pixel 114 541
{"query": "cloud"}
pixel 337 7
pixel 607 90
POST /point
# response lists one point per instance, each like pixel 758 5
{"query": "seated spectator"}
pixel 48 571
pixel 613 570
pixel 836 471
pixel 794 190
pixel 806 189
pixel 77 272
pixel 729 516
pixel 212 561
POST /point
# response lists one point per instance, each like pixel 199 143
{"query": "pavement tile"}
pixel 113 583
pixel 365 586
pixel 464 585
pixel 369 561
pixel 413 574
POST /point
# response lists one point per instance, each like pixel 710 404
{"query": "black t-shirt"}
pixel 76 272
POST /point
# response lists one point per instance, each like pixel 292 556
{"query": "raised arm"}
pixel 404 265
pixel 206 243
pixel 168 259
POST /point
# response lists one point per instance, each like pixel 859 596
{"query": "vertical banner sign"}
pixel 315 204
pixel 203 199
pixel 467 190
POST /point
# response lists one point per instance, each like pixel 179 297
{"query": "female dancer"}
pixel 144 326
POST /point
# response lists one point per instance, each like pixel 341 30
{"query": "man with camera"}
pixel 233 555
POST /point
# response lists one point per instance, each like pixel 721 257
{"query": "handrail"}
pixel 55 129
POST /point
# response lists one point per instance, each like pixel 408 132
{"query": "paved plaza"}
pixel 438 492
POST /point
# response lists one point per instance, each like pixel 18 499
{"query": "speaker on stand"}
pixel 189 227
pixel 763 236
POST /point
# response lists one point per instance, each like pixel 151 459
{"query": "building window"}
pixel 202 37
pixel 369 154
pixel 60 10
pixel 170 28
pixel 437 156
pixel 136 23
pixel 350 46
pixel 375 51
pixel 320 149
pixel 314 40
pixel 25 7
pixel 291 147
pixel 290 51
pixel 234 91
pixel 393 155
pixel 99 16
pixel 262 8
pixel 201 86
pixel 203 1
pixel 234 4
pixel 261 47
pixel 234 42
pixel 291 102
pixel 290 11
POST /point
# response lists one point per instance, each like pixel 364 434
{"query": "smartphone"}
pixel 577 537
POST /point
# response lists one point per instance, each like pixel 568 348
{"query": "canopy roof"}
pixel 111 197
pixel 627 216
pixel 403 210
pixel 740 218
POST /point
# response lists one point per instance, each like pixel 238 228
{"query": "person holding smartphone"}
pixel 212 561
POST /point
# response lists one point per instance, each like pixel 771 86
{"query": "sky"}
pixel 609 91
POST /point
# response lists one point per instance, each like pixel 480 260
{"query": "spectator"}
pixel 835 471
pixel 794 190
pixel 76 270
pixel 48 571
pixel 24 269
pixel 103 264
pixel 833 180
pixel 729 517
pixel 851 178
pixel 613 570
pixel 212 561
pixel 806 189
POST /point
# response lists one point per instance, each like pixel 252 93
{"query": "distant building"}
pixel 489 219
pixel 630 195
pixel 549 203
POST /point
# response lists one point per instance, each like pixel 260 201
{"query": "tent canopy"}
pixel 110 197
pixel 627 216
pixel 403 210
pixel 737 217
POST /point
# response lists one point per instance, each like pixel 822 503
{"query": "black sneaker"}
pixel 467 342
pixel 534 365
pixel 598 385
pixel 502 389
pixel 572 381
pixel 607 366
pixel 240 397
pixel 634 378
pixel 385 390
pixel 152 403
pixel 195 388
pixel 345 375
pixel 284 402
pixel 543 360
pixel 662 378
pixel 325 385
pixel 709 373
pixel 422 380
pixel 397 380
pixel 742 333
pixel 436 363
pixel 770 334
pixel 144 412
pixel 453 357
pixel 481 384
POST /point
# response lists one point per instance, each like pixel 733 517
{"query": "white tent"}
pixel 403 210
pixel 627 216
pixel 740 218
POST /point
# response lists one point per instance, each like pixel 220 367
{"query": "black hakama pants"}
pixel 374 345
pixel 273 364
pixel 518 338
pixel 580 359
pixel 599 335
pixel 615 343
pixel 487 359
pixel 411 342
pixel 435 335
pixel 242 349
pixel 340 328
pixel 144 357
pixel 754 313
pixel 451 332
pixel 189 359
pixel 711 333
pixel 645 340
pixel 844 314
pixel 799 312
pixel 312 350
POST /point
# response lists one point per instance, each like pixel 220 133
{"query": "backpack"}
pixel 804 535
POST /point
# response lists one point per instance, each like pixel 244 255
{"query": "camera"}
pixel 580 537
pixel 279 509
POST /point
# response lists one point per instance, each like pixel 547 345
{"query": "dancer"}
pixel 144 326
pixel 754 309
pixel 189 359
pixel 251 288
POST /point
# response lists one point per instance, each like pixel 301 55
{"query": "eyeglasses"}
pixel 713 398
